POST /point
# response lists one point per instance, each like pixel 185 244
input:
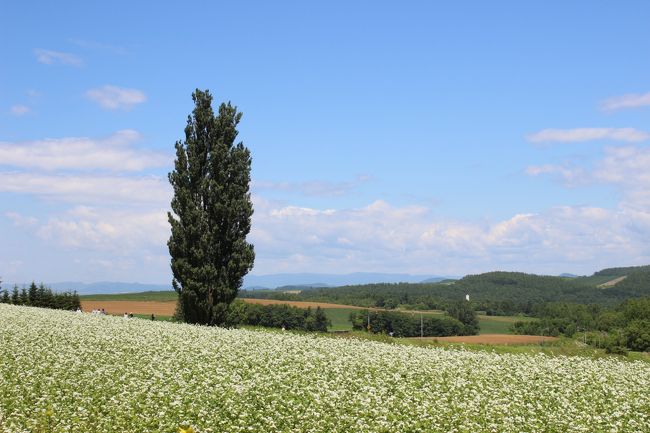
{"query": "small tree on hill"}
pixel 15 297
pixel 24 297
pixel 321 322
pixel 463 312
pixel 33 294
pixel 211 213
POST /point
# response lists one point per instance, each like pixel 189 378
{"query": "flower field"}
pixel 70 372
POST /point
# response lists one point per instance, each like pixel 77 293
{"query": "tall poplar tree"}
pixel 211 213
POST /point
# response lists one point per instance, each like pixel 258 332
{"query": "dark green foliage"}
pixel 465 314
pixel 495 293
pixel 406 325
pixel 211 215
pixel 284 316
pixel 637 334
pixel 32 294
pixel 15 297
pixel 617 330
pixel 24 297
pixel 44 297
pixel 619 272
pixel 5 297
pixel 316 320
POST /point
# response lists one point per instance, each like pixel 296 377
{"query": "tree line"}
pixel 286 316
pixel 41 296
pixel 460 320
pixel 495 293
pixel 624 327
pixel 282 316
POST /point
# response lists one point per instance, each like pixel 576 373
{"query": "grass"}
pixel 340 318
pixel 488 326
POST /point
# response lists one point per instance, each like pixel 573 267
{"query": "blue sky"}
pixel 414 137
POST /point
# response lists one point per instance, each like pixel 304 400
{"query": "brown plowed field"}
pixel 137 307
pixel 167 308
pixel 495 339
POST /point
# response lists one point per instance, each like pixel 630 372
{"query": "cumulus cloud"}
pixel 107 229
pixel 116 98
pixel 626 168
pixel 19 110
pixel 96 189
pixel 588 134
pixel 413 239
pixel 20 220
pixel 82 153
pixel 632 100
pixel 375 237
pixel 50 57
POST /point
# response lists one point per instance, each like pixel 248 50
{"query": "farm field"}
pixel 106 374
pixel 163 304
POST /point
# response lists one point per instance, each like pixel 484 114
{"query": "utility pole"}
pixel 421 326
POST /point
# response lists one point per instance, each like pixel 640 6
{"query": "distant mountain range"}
pixel 273 281
pixel 252 282
pixel 286 281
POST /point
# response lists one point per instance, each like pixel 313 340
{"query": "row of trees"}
pixel 283 316
pixel 625 327
pixel 460 320
pixel 287 317
pixel 405 325
pixel 41 296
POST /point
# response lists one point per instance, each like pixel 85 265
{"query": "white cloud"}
pixel 19 110
pixel 572 176
pixel 631 100
pixel 381 237
pixel 82 153
pixel 128 191
pixel 20 220
pixel 588 134
pixel 114 98
pixel 376 237
pixel 107 230
pixel 625 167
pixel 50 57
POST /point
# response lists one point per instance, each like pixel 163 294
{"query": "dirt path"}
pixel 613 282
pixel 495 339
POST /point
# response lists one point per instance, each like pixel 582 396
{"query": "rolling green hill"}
pixel 494 292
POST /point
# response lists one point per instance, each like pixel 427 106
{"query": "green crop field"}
pixel 74 372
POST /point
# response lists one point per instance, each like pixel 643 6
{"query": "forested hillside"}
pixel 494 292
